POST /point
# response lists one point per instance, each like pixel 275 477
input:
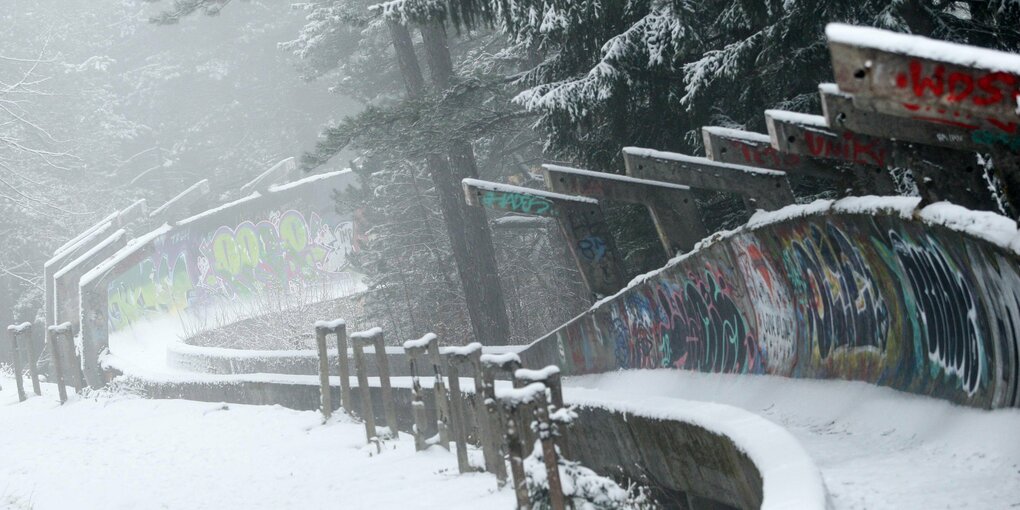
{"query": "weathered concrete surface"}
pixel 859 290
pixel 245 257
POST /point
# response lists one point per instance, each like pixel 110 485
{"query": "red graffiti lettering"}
pixel 956 93
pixel 960 86
pixel 850 147
pixel 863 152
pixel 986 84
pixel 765 156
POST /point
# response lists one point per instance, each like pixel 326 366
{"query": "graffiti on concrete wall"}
pixel 284 250
pixel 518 202
pixel 774 309
pixel 836 292
pixel 692 322
pixel 867 298
pixel 947 307
pixel 258 254
pixel 592 248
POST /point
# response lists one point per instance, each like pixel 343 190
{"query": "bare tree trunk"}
pixel 488 319
pixel 406 59
pixel 437 53
pixel 468 227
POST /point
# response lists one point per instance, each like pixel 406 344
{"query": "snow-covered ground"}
pixel 877 448
pixel 120 452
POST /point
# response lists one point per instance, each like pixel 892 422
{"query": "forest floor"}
pixel 114 451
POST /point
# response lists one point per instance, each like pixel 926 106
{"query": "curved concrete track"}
pixel 924 301
pixel 876 448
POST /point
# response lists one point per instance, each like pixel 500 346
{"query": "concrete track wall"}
pixel 859 289
pixel 283 246
pixel 287 243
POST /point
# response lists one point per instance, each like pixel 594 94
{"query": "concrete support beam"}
pixel 809 135
pixel 949 147
pixel 975 89
pixel 580 219
pixel 740 147
pixel 672 206
pixel 922 79
pixel 760 188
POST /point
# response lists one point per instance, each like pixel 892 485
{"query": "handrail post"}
pixel 368 414
pixel 417 400
pixel 16 358
pixel 514 402
pixel 456 358
pixel 383 362
pixel 325 398
pixel 52 334
pixel 340 330
pixel 549 455
pixel 33 370
pixel 439 390
pixel 550 376
pixel 494 445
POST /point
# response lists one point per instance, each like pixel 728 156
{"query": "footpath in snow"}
pixel 112 451
pixel 877 448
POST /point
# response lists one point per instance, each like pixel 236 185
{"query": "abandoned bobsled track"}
pixel 768 338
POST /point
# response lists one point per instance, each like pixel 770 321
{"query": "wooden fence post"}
pixel 367 411
pixel 375 338
pixel 549 455
pixel 16 359
pixel 325 399
pixel 414 352
pixel 428 345
pixel 52 333
pixel 505 363
pixel 550 377
pixel 340 330
pixel 458 419
pixel 513 403
pixel 33 370
pixel 73 361
pixel 383 362
pixel 439 389
pixel 458 357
